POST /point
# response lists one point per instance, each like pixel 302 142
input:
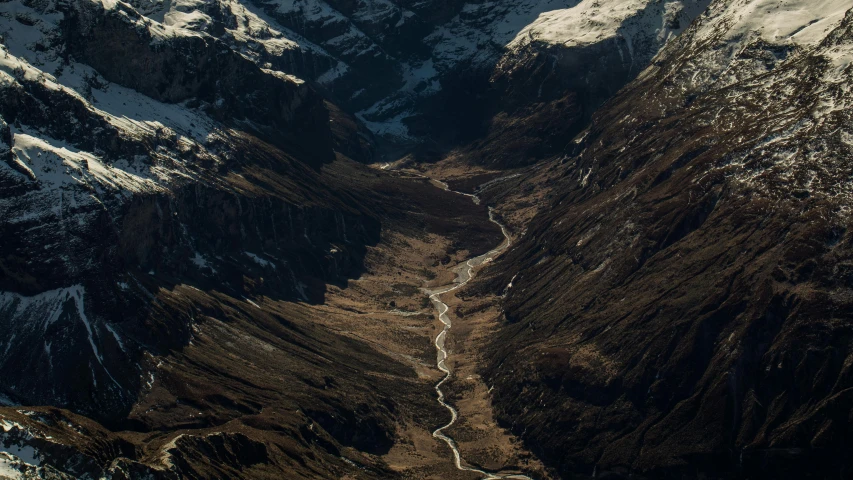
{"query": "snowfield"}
pixel 593 21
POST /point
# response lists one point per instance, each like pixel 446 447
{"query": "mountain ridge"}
pixel 205 274
pixel 700 252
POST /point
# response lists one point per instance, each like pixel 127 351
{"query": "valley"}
pixel 464 274
pixel 384 314
pixel 426 240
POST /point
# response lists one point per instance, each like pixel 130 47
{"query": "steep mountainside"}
pixel 106 189
pixel 171 214
pixel 432 72
pixel 564 66
pixel 201 276
pixel 685 304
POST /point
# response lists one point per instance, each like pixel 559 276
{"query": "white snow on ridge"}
pixel 801 22
pixel 7 468
pixel 125 108
pixel 54 164
pixel 468 37
pixel 48 305
pixel 586 23
pixel 319 12
pixel 57 164
pixel 842 58
pixel 333 74
pixel 594 21
pixel 253 25
pixel 8 425
pixel 159 31
pixel 260 261
pixel 249 30
pixel 377 11
pixel 187 14
pixel 739 39
pixel 391 127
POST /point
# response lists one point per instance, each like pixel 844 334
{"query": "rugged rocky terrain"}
pixel 433 73
pixel 203 276
pixel 173 216
pixel 564 66
pixel 683 308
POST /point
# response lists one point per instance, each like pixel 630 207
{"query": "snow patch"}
pixel 594 21
pixel 25 453
pixel 54 163
pixel 8 468
pixel 803 22
pixel 116 336
pixel 260 261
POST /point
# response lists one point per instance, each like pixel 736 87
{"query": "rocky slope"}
pixel 106 188
pixel 683 309
pixel 564 66
pixel 170 212
pixel 436 73
pixel 202 279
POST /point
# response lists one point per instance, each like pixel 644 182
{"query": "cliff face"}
pixel 182 189
pixel 561 68
pixel 684 306
pixel 155 185
pixel 173 66
pixel 440 73
pixel 113 187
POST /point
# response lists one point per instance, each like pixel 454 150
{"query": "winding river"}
pixel 464 273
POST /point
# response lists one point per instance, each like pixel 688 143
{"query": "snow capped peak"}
pixel 594 21
pixel 800 22
pixel 738 39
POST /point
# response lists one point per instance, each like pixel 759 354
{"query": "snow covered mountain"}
pixel 684 307
pixel 148 145
pixel 141 163
pixel 564 65
pixel 593 42
pixel 170 165
pixel 390 62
